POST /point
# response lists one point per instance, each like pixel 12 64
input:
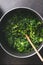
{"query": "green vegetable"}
pixel 19 25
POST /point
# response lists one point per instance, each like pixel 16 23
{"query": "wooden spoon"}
pixel 34 47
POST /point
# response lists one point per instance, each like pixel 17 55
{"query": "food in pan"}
pixel 19 25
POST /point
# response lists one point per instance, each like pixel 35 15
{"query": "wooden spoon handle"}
pixel 34 47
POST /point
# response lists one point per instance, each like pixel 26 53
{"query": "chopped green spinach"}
pixel 19 25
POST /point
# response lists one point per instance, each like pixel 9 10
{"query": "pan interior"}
pixel 21 13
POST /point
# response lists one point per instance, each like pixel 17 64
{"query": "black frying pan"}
pixel 3 41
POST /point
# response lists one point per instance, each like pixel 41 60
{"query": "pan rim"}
pixel 1 44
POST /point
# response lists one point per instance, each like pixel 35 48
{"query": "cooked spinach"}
pixel 17 26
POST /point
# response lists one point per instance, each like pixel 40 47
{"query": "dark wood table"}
pixel 6 5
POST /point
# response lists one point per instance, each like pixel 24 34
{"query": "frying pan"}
pixel 3 42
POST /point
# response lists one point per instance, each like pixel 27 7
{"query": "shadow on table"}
pixel 1 12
